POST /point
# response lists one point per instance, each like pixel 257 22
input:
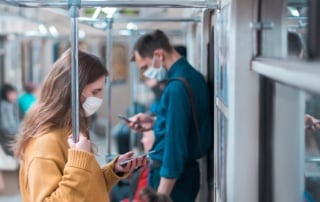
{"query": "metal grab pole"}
pixel 117 3
pixel 141 20
pixel 108 84
pixel 134 75
pixel 74 12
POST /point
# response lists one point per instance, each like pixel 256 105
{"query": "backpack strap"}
pixel 193 106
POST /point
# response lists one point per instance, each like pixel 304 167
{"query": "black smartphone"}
pixel 124 163
pixel 128 121
pixel 123 118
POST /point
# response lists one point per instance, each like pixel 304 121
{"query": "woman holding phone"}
pixel 53 167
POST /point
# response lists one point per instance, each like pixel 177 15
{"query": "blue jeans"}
pixel 186 187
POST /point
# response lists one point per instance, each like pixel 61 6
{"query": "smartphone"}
pixel 124 163
pixel 127 120
pixel 123 118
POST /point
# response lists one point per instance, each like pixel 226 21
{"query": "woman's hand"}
pixel 83 144
pixel 141 122
pixel 132 164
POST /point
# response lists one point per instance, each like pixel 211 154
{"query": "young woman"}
pixel 53 167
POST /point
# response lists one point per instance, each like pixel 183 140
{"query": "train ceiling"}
pixel 56 21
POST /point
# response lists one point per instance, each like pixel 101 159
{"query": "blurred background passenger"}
pixel 10 120
pixel 129 190
pixel 28 97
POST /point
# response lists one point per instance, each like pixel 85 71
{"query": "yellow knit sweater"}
pixel 50 171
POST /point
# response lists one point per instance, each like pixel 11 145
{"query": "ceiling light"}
pixel 42 29
pixel 132 26
pixel 96 13
pixel 82 34
pixel 109 11
pixel 293 11
pixel 53 31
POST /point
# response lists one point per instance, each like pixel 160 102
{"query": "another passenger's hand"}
pixel 83 144
pixel 132 164
pixel 311 122
pixel 141 122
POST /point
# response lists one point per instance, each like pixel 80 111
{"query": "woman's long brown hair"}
pixel 53 108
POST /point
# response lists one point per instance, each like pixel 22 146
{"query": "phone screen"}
pixel 124 163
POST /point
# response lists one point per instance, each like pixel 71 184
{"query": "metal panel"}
pixel 296 73
pixel 288 144
pixel 243 138
pixel 274 43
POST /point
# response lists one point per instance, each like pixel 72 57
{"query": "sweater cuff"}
pixel 79 159
pixel 109 172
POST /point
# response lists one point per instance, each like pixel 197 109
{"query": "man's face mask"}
pixel 159 74
pixel 91 105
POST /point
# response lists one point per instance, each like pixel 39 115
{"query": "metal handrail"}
pixel 115 3
pixel 140 20
pixel 74 13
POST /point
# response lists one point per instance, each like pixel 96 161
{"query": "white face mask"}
pixel 159 74
pixel 91 105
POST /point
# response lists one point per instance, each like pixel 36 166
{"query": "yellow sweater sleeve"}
pixel 47 183
pixel 110 177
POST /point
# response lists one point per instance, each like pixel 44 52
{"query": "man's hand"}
pixel 311 122
pixel 141 122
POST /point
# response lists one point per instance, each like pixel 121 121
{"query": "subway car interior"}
pixel 260 58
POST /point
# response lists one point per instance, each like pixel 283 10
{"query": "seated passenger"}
pixel 9 116
pixel 28 98
pixel 139 178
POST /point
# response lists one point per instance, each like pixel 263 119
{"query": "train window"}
pixel 312 148
pixel 297 28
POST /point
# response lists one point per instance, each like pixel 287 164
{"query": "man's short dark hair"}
pixel 148 43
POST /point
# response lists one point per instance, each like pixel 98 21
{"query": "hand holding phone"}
pixel 128 120
pixel 313 125
pixel 124 163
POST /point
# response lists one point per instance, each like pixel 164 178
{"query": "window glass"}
pixel 312 148
pixel 297 28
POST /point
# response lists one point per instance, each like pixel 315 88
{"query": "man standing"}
pixel 182 126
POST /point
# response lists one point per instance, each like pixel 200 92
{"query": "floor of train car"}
pixel 11 178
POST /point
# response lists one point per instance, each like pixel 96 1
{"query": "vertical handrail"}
pixel 133 83
pixel 74 13
pixel 108 83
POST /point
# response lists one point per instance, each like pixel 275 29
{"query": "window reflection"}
pixel 297 28
pixel 312 148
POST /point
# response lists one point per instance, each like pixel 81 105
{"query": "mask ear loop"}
pixel 154 61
